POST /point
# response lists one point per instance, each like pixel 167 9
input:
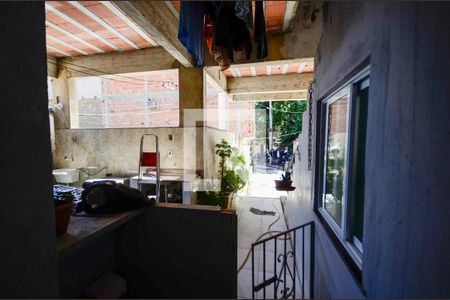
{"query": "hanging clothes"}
pixel 260 31
pixel 229 31
pixel 190 28
pixel 244 12
pixel 219 53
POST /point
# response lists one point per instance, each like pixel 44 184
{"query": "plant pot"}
pixel 62 217
pixel 283 184
pixel 229 196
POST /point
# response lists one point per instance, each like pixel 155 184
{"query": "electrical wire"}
pixel 164 83
pixel 269 231
pixel 126 113
pixel 112 74
pixel 265 138
pixel 285 111
pixel 89 174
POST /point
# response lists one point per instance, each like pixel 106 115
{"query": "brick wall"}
pixel 338 112
pixel 124 101
pixel 239 116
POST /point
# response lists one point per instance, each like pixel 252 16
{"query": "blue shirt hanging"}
pixel 191 27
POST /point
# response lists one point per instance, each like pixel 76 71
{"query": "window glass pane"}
pixel 336 155
pixel 358 157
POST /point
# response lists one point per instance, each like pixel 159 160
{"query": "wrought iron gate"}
pixel 285 270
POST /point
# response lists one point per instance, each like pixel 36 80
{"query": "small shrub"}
pixel 212 198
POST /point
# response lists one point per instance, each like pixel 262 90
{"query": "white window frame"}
pixel 342 232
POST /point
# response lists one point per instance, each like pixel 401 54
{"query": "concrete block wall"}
pixel 118 149
pixel 171 253
pixel 406 209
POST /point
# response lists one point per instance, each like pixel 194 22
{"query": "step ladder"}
pixel 149 160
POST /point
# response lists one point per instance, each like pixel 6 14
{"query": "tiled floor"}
pixel 263 196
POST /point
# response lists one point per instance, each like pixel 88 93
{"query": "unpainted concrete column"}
pixel 61 87
pixel 191 92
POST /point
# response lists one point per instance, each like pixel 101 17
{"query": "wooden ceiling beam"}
pixel 155 18
pixel 52 66
pixel 289 14
pixel 217 76
pixel 269 84
pixel 150 59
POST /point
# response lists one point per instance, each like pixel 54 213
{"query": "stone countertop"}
pixel 84 228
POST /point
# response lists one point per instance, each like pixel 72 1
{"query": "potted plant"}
pixel 233 176
pixel 233 170
pixel 63 210
pixel 231 182
pixel 223 150
pixel 212 198
pixel 285 184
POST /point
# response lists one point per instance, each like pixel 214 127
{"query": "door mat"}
pixel 261 212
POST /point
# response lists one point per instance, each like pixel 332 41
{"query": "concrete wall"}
pixel 27 230
pixel 118 149
pixel 85 265
pixel 406 199
pixel 179 253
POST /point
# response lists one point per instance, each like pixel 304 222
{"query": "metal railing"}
pixel 290 270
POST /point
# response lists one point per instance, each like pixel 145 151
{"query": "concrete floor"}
pixel 263 196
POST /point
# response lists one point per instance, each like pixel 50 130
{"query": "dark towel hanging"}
pixel 260 31
pixel 190 28
pixel 244 12
pixel 219 53
pixel 229 31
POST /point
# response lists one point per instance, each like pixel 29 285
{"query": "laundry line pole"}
pixel 270 127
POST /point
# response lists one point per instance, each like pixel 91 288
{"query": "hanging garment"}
pixel 245 13
pixel 219 53
pixel 260 31
pixel 190 28
pixel 229 32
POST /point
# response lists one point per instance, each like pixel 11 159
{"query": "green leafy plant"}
pixel 223 150
pixel 212 198
pixel 232 182
pixel 287 119
pixel 233 174
pixel 238 164
pixel 286 176
pixel 233 170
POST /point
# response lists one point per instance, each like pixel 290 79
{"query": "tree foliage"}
pixel 287 119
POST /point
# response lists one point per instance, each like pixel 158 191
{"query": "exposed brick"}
pixel 124 101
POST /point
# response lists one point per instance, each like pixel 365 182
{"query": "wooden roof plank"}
pixel 156 19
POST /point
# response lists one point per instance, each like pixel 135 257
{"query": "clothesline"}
pixel 165 83
pixel 288 112
pixel 226 26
